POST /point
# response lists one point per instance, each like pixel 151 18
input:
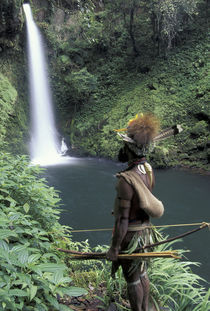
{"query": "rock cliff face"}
pixel 14 119
pixel 14 106
pixel 10 22
pixel 52 13
pixel 12 19
pixel 12 76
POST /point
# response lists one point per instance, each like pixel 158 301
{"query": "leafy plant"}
pixel 32 275
pixel 172 282
pixel 169 90
pixel 82 83
pixel 8 96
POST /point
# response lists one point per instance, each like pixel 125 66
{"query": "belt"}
pixel 137 227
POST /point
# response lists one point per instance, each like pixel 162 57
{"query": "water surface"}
pixel 87 190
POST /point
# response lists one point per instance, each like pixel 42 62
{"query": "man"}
pixel 134 205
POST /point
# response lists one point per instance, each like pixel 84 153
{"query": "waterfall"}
pixel 45 147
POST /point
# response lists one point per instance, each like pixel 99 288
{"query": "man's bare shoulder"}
pixel 125 190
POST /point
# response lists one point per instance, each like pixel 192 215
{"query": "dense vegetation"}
pixel 164 94
pixel 172 283
pixel 35 276
pixel 116 59
pixel 32 271
pixel 8 96
pixel 109 60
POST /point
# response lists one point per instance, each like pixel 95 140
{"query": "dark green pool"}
pixel 87 190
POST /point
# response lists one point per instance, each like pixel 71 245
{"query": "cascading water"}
pixel 45 147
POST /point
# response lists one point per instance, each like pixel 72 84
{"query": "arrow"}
pixel 96 256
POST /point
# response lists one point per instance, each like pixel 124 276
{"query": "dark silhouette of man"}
pixel 134 205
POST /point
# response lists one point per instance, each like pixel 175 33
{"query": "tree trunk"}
pixel 131 32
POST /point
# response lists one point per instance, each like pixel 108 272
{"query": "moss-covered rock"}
pixel 8 97
pixel 10 23
pixel 14 95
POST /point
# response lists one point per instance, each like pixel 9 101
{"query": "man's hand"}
pixel 112 254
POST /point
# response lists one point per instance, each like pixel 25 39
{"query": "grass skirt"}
pixel 133 241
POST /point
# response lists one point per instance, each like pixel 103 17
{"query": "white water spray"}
pixel 45 147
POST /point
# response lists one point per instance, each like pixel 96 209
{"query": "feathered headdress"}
pixel 143 130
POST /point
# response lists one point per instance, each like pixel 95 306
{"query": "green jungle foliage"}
pixel 108 61
pixel 176 90
pixel 13 69
pixel 115 59
pixel 14 135
pixel 172 282
pixel 33 273
pixel 8 97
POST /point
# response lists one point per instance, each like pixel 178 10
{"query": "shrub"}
pixel 32 272
pixel 82 82
pixel 8 96
pixel 199 129
pixel 172 282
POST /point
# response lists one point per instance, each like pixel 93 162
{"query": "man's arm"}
pixel 125 193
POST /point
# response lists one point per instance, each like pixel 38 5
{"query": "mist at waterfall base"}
pixel 87 191
pixel 46 148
